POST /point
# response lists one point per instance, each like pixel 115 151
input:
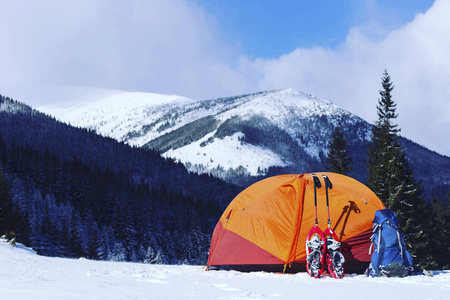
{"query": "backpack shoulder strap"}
pixel 400 239
pixel 375 244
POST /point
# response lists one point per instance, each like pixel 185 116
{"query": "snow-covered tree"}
pixel 118 252
pixel 338 160
pixel 153 257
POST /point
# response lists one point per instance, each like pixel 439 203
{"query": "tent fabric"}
pixel 267 223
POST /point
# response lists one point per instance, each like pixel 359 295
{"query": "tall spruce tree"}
pixel 338 160
pixel 391 177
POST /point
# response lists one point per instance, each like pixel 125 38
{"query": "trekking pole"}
pixel 318 185
pixel 328 185
pixel 334 258
pixel 315 242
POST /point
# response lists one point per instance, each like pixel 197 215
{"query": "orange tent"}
pixel 265 226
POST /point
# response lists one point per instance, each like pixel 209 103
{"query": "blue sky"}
pixel 335 50
pixel 268 28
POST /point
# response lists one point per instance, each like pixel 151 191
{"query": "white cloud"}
pixel 165 46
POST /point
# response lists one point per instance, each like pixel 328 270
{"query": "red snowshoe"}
pixel 315 249
pixel 334 258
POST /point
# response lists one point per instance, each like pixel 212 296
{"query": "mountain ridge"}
pixel 246 137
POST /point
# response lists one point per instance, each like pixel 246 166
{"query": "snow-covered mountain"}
pixel 234 138
pixel 219 134
pixel 26 275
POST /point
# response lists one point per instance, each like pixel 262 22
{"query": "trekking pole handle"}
pixel 328 185
pixel 316 181
pixel 327 181
pixel 318 185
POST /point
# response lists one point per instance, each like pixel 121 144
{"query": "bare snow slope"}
pixel 113 113
pixel 25 275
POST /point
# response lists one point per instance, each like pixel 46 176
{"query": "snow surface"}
pixel 227 153
pixel 25 275
pixel 280 105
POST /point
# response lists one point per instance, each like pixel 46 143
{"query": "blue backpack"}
pixel 390 257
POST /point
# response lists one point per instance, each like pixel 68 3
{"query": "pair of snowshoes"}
pixel 321 251
pixel 323 247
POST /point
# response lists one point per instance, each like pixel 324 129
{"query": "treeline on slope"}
pixel 177 138
pixel 80 194
pixel 429 167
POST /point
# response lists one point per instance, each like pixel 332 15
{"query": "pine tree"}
pixel 384 143
pixel 9 214
pixel 390 175
pixel 338 160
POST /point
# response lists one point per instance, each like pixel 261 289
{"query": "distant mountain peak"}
pixel 290 92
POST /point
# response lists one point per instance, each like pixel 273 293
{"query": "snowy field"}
pixel 25 275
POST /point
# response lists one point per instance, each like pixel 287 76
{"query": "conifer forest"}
pixel 78 194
